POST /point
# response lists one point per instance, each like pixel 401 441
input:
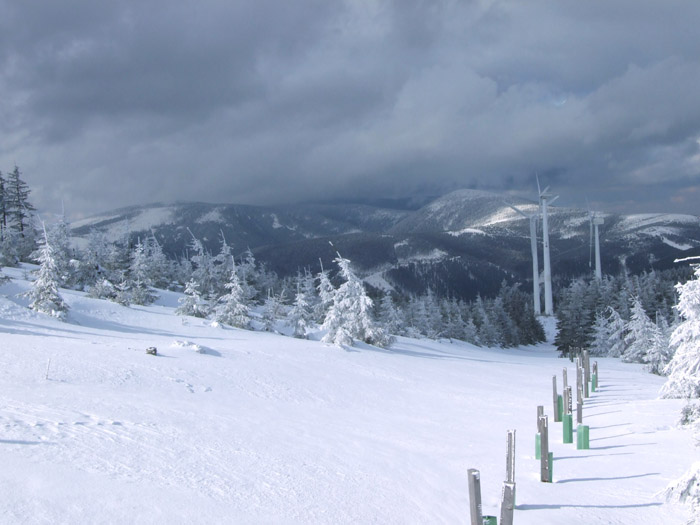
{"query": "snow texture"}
pixel 263 428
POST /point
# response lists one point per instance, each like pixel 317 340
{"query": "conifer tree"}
pixel 600 341
pixel 299 316
pixel 389 316
pixel 639 334
pixel 684 369
pixel 191 303
pixel 19 213
pixel 350 316
pixel 232 308
pixel 617 330
pixel 44 293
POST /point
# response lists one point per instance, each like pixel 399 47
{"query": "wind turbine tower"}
pixel 546 198
pixel 535 261
pixel 597 221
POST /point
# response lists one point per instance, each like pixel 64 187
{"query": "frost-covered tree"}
pixel 600 341
pixel 44 295
pixel 300 314
pixel 640 330
pixel 350 316
pixel 232 308
pixel 684 369
pixel 617 330
pixel 191 303
pixel 660 352
pixel 389 316
pixel 20 212
pixel 325 295
pixel 272 310
pixel 139 276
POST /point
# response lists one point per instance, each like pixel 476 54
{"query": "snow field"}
pixel 234 426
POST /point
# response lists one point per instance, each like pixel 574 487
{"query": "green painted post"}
pixel 582 437
pixel 538 446
pixel 490 520
pixel 568 433
pixel 551 466
pixel 594 382
pixel 586 437
pixel 560 407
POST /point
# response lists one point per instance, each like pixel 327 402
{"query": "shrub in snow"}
pixel 192 303
pixel 690 414
pixel 684 369
pixel 44 294
pixel 102 289
pixel 687 490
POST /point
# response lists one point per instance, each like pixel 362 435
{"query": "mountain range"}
pixel 460 244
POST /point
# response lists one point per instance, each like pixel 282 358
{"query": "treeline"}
pixel 227 288
pixel 626 316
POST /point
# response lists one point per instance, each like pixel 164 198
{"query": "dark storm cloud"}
pixel 109 104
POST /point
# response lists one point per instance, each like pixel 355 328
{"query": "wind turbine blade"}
pixel 553 198
pixel 518 211
pixel 537 178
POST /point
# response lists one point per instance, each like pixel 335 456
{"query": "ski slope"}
pixel 233 426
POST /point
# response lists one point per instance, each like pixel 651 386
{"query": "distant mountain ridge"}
pixel 463 243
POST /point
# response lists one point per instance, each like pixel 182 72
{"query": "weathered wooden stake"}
pixel 587 373
pixel 475 497
pixel 510 457
pixel 538 435
pixel 47 369
pixel 508 493
pixel 545 458
pixel 565 379
pixel 555 398
pixel 507 503
pixel 569 403
pixel 579 406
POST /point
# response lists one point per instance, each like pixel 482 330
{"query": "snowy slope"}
pixel 261 428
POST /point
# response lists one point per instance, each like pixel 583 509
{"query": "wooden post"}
pixel 587 373
pixel 565 379
pixel 579 406
pixel 475 497
pixel 545 467
pixel 569 403
pixel 538 435
pixel 555 398
pixel 507 503
pixel 47 369
pixel 510 457
pixel 508 493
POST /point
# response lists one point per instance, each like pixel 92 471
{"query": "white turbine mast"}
pixel 535 262
pixel 595 221
pixel 546 199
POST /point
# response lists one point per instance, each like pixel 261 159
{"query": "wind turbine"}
pixel 535 262
pixel 595 221
pixel 546 198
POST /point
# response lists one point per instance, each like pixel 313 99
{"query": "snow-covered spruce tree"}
pixel 617 330
pixel 639 336
pixel 300 315
pixel 272 310
pixel 660 352
pixel 600 341
pixel 389 316
pixel 140 276
pixel 325 296
pixel 44 294
pixel 191 303
pixel 232 308
pixel 19 213
pixel 684 369
pixel 350 316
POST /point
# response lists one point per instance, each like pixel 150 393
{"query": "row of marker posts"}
pixel 563 412
pixel 507 495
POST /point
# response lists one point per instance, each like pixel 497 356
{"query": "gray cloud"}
pixel 269 101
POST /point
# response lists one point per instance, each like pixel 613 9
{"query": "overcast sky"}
pixel 107 104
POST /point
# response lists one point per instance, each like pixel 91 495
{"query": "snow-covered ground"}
pixel 260 428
